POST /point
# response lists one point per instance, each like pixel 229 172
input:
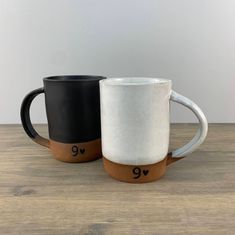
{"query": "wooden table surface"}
pixel 39 195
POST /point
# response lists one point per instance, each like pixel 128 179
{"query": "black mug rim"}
pixel 73 78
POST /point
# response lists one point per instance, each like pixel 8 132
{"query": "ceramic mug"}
pixel 73 113
pixel 135 127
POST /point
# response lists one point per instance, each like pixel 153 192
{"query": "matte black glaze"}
pixel 24 112
pixel 72 107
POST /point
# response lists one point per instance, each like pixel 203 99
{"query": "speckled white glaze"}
pixel 135 120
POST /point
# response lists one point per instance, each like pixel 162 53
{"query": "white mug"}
pixel 135 127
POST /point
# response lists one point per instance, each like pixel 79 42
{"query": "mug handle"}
pixel 25 118
pixel 201 132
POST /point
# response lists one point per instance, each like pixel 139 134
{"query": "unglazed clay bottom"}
pixel 76 152
pixel 138 173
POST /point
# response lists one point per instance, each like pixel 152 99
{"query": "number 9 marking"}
pixel 75 150
pixel 137 172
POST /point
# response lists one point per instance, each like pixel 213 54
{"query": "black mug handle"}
pixel 25 118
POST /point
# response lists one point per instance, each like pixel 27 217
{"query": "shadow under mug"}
pixel 135 126
pixel 73 114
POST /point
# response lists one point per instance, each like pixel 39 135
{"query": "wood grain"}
pixel 39 195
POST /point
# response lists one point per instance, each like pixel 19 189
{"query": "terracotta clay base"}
pixel 76 152
pixel 139 173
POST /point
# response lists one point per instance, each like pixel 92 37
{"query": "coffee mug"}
pixel 135 128
pixel 73 114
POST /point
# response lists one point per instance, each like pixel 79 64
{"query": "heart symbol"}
pixel 145 172
pixel 82 151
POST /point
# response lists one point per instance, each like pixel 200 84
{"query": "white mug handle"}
pixel 203 126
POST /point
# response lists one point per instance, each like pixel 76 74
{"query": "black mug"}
pixel 73 114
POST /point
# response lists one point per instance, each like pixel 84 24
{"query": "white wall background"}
pixel 191 42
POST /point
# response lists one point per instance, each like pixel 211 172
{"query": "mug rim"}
pixel 134 81
pixel 73 78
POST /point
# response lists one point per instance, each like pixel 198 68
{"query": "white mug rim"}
pixel 134 81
